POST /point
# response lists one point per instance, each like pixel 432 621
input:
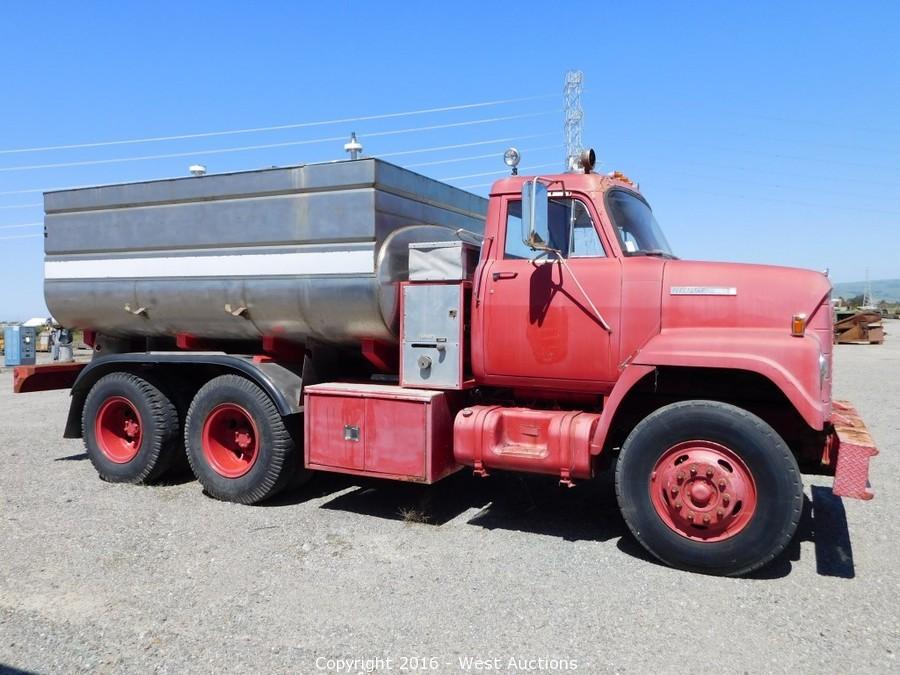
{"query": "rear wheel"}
pixel 130 429
pixel 709 487
pixel 238 444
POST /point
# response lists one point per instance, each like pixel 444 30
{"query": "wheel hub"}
pixel 703 491
pixel 230 440
pixel 243 439
pixel 117 429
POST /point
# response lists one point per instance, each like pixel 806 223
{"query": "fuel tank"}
pixel 314 251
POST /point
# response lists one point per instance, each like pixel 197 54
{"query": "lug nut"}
pixel 690 516
pixel 694 470
pixel 709 473
pixel 720 512
pixel 680 476
pixel 674 491
pixel 725 499
pixel 721 484
pixel 677 505
pixel 706 519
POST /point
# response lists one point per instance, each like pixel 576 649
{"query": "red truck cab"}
pixel 712 381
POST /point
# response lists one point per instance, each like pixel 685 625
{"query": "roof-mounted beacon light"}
pixel 512 158
pixel 354 147
pixel 587 160
pixel 197 169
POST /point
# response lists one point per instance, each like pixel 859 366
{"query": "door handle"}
pixel 505 275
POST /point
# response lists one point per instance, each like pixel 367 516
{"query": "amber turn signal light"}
pixel 798 325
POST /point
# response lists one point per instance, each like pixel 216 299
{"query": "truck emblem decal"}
pixel 703 290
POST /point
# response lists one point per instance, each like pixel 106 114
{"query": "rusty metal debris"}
pixel 861 328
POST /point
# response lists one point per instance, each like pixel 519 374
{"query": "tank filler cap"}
pixel 354 147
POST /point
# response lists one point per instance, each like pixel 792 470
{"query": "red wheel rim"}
pixel 230 440
pixel 117 429
pixel 703 491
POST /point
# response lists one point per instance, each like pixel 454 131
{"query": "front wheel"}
pixel 709 487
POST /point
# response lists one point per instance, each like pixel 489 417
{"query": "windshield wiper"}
pixel 657 252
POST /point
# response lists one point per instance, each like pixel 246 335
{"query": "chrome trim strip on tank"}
pixel 296 263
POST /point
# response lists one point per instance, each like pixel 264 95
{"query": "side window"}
pixel 515 247
pixel 572 230
pixel 585 240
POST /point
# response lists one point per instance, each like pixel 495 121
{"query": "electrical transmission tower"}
pixel 574 117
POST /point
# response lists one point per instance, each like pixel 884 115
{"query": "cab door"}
pixel 539 327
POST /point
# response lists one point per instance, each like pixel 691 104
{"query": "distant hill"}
pixel 882 289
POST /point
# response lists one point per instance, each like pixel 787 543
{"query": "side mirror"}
pixel 535 225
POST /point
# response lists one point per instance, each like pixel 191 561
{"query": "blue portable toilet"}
pixel 19 345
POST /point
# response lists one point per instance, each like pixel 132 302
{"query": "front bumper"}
pixel 854 448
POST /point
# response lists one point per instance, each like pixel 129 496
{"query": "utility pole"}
pixel 574 117
pixel 867 302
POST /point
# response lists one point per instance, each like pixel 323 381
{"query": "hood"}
pixel 711 294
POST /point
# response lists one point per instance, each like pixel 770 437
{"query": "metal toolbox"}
pixel 442 261
pixel 432 352
pixel 379 430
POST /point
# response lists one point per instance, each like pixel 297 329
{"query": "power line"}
pixel 13 227
pixel 21 236
pixel 773 186
pixel 279 127
pixel 473 157
pixel 835 176
pixel 20 206
pixel 496 173
pixel 43 189
pixel 767 153
pixel 792 202
pixel 201 153
pixel 509 139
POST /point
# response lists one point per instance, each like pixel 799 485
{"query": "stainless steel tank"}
pixel 314 251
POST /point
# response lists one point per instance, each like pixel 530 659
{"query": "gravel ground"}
pixel 100 577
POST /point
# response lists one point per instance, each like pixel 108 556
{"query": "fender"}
pixel 281 384
pixel 790 363
pixel 629 377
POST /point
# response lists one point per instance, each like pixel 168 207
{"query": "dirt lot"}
pixel 100 577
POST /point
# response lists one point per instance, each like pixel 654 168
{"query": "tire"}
pixel 708 487
pixel 130 429
pixel 238 445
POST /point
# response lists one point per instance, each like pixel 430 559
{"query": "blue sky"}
pixel 760 132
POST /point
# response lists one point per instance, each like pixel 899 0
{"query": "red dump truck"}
pixel 356 317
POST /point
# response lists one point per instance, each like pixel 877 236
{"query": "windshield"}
pixel 637 229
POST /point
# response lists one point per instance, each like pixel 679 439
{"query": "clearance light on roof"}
pixel 798 324
pixel 618 175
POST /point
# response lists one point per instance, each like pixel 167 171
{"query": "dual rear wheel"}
pixel 238 445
